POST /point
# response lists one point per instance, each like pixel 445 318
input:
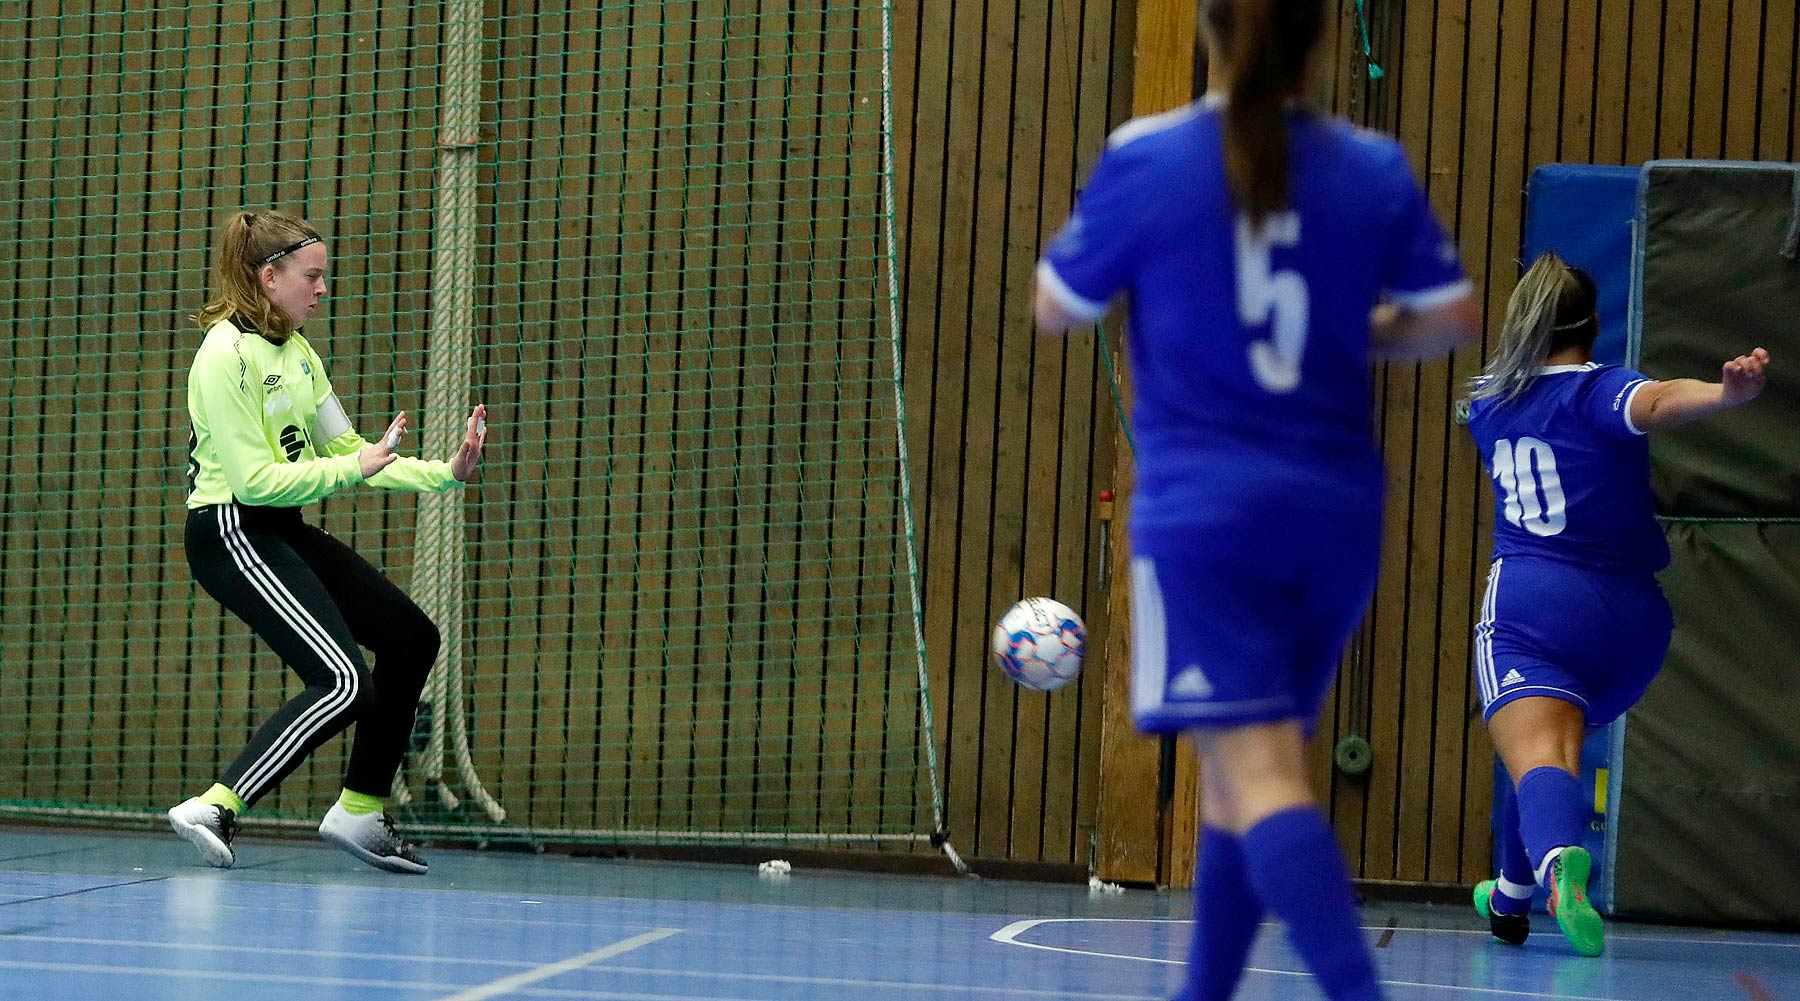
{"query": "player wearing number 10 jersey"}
pixel 1254 238
pixel 1573 626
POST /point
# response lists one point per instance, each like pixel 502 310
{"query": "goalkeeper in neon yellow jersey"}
pixel 268 437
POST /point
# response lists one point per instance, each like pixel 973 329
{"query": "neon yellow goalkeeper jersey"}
pixel 268 430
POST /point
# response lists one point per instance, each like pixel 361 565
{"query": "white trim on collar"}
pixel 1217 99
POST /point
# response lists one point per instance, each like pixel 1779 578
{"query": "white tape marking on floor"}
pixel 508 984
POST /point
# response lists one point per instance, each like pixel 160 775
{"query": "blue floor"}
pixel 124 917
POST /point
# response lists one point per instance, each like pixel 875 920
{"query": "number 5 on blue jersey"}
pixel 1263 294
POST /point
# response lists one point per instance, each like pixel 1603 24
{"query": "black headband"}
pixel 290 248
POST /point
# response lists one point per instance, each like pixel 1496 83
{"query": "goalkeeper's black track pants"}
pixel 313 600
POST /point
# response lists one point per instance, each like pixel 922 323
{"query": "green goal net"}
pixel 680 604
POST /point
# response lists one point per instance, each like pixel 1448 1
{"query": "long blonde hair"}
pixel 1553 307
pixel 247 242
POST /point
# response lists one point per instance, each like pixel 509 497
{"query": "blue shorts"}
pixel 1592 638
pixel 1241 616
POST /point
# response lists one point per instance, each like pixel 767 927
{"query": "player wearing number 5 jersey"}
pixel 1573 626
pixel 1254 239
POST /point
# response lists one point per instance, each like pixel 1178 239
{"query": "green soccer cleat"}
pixel 1569 905
pixel 1509 928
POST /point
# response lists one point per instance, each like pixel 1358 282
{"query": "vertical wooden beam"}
pixel 1163 73
pixel 1130 829
pixel 1181 826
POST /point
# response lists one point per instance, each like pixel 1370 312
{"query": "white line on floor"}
pixel 508 984
pixel 1009 936
pixel 938 989
pixel 385 957
pixel 1614 933
pixel 188 977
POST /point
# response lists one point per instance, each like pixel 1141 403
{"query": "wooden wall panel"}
pixel 1480 93
pixel 1000 109
pixel 1134 813
pixel 16 382
pixel 684 328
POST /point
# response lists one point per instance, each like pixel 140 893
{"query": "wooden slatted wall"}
pixel 1001 106
pixel 683 340
pixel 117 130
pixel 1480 93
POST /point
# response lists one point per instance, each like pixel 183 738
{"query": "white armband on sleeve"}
pixel 331 420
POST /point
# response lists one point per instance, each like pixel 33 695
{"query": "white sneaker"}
pixel 372 838
pixel 209 828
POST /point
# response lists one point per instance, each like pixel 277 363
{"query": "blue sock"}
pixel 1512 895
pixel 1297 870
pixel 1552 814
pixel 1226 916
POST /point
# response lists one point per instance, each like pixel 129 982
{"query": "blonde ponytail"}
pixel 1552 307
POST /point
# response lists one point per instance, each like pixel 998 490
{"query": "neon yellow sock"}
pixel 221 795
pixel 358 804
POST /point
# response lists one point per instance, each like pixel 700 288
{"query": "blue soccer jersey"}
pixel 1245 344
pixel 1255 523
pixel 1571 473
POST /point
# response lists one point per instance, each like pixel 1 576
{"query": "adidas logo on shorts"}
pixel 1513 677
pixel 1191 683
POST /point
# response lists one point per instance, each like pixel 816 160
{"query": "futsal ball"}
pixel 1039 643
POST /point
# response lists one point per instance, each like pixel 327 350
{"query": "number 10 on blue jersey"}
pixel 1522 469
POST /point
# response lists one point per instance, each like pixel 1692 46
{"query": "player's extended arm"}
pixel 1053 317
pixel 332 427
pixel 1397 334
pixel 1674 402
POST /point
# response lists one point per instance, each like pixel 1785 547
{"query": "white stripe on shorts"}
pixel 1484 640
pixel 285 605
pixel 1485 675
pixel 1149 638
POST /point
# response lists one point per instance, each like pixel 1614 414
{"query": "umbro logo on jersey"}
pixel 1191 683
pixel 1512 678
pixel 272 380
